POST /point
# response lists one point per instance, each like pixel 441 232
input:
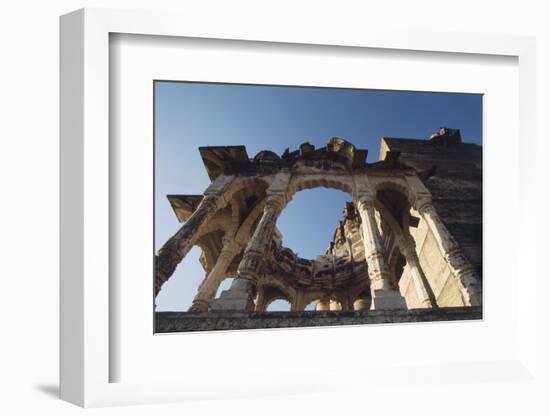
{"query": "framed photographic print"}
pixel 370 239
pixel 238 207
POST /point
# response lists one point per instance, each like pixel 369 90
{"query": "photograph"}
pixel 290 206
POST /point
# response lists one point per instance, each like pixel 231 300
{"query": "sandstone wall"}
pixel 456 188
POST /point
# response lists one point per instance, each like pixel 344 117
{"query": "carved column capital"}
pixel 250 266
pixel 364 201
pixel 423 203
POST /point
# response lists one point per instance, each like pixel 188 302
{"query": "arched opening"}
pixel 362 301
pixel 395 203
pixel 272 298
pixel 394 209
pixel 278 305
pixel 309 221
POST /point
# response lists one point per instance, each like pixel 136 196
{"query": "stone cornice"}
pixel 232 160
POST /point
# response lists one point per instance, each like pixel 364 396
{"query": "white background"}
pixel 29 212
pixel 138 60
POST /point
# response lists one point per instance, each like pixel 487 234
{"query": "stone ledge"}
pixel 224 321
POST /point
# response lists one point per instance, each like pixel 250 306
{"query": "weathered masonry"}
pixel 409 239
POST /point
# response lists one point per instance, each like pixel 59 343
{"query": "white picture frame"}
pixel 86 356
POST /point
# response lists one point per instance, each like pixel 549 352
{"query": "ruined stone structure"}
pixel 410 238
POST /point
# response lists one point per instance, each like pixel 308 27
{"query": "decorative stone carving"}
pixel 407 247
pixel 383 294
pixel 354 273
pixel 460 266
pixel 242 291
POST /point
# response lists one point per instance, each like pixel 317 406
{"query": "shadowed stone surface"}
pixel 455 183
pixel 224 321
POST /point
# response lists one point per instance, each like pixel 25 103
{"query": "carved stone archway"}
pixel 246 197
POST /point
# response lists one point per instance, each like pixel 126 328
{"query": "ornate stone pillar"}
pixel 175 249
pixel 461 268
pixel 421 285
pixel 241 294
pixel 207 290
pixel 383 295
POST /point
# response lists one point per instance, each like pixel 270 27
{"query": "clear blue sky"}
pixel 189 115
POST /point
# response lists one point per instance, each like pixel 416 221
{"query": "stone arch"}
pixel 360 288
pixel 274 281
pixel 393 184
pixel 242 182
pixel 270 289
pixel 362 301
pixel 309 297
pixel 270 301
pixel 299 183
pixel 229 223
pixel 393 201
